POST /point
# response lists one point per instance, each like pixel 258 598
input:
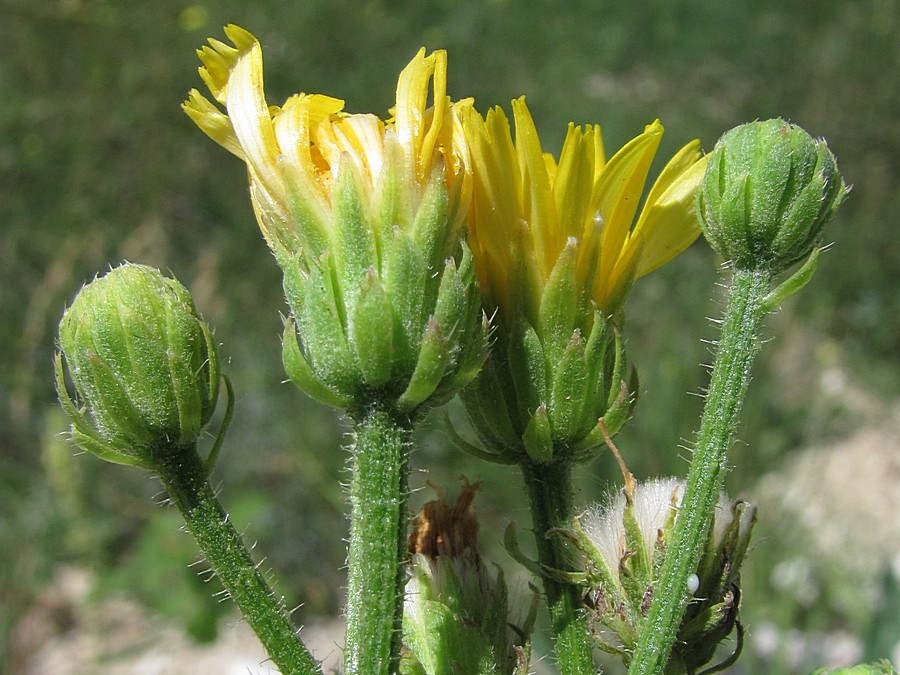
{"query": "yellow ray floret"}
pixel 527 208
pixel 294 152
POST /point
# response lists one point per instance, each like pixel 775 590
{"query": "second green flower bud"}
pixel 768 190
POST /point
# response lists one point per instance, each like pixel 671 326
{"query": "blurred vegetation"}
pixel 98 164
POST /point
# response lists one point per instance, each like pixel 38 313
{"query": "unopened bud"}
pixel 768 190
pixel 143 364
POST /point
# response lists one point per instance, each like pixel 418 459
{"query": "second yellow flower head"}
pixel 555 254
pixel 528 209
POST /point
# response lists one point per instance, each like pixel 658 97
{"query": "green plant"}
pixel 365 219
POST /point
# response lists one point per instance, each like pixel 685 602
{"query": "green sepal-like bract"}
pixel 538 436
pixel 405 275
pixel 433 360
pixel 527 370
pixel 432 228
pixel 635 565
pixel 321 322
pixel 793 283
pixel 353 239
pixel 568 395
pixel 459 311
pixel 561 305
pixel 301 373
pixel 371 331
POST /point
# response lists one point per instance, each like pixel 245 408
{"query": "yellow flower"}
pixel 528 209
pixel 365 218
pixel 295 153
pixel 556 247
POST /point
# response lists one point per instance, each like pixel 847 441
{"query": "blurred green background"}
pixel 98 165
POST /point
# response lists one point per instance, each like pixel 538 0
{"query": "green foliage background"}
pixel 98 164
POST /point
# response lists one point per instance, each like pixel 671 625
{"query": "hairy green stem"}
pixel 184 477
pixel 550 492
pixel 738 346
pixel 378 519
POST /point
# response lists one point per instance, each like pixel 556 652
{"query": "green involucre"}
pixel 554 370
pixel 540 398
pixel 391 311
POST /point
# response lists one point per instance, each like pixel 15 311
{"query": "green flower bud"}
pixel 768 190
pixel 456 616
pixel 143 364
pixel 625 544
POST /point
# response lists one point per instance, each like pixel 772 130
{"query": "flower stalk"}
pixel 184 477
pixel 738 346
pixel 768 190
pixel 378 522
pixel 549 490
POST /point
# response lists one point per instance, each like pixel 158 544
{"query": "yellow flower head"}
pixel 530 212
pixel 364 217
pixel 296 153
